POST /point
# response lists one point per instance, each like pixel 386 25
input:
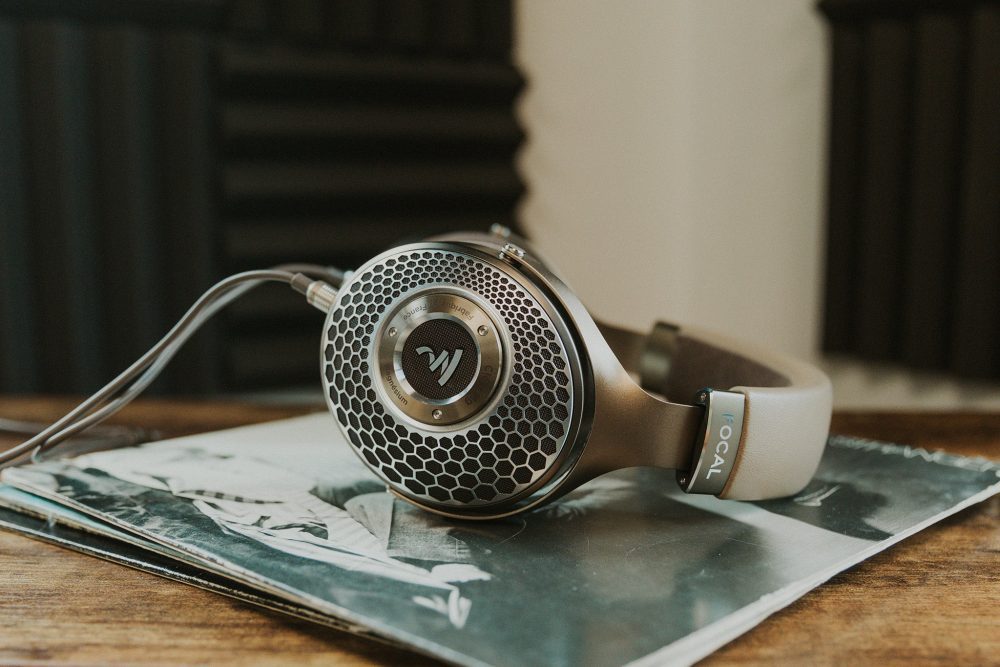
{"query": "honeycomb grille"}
pixel 488 460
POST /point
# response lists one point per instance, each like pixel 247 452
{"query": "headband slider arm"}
pixel 717 444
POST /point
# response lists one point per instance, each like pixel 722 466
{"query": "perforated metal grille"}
pixel 493 457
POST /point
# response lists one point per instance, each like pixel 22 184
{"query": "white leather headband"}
pixel 786 410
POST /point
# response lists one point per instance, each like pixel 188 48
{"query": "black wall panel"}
pixel 151 147
pixel 18 364
pixel 59 157
pixel 913 263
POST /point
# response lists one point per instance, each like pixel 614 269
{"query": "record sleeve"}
pixel 626 569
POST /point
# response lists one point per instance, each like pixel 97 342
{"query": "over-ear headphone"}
pixel 471 380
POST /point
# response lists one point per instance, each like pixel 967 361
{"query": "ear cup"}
pixel 453 376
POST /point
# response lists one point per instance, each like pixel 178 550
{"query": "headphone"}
pixel 473 382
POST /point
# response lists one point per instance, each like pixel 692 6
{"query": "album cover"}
pixel 104 542
pixel 626 569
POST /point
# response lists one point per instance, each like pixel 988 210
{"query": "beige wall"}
pixel 675 170
pixel 674 159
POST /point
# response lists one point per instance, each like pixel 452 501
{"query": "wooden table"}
pixel 933 598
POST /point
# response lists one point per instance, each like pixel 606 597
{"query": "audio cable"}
pixel 317 283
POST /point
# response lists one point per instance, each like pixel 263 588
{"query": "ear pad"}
pixel 453 376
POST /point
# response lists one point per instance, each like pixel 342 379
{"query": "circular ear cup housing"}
pixel 520 432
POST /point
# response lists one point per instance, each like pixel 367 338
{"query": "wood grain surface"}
pixel 934 598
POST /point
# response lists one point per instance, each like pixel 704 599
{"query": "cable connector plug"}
pixel 320 294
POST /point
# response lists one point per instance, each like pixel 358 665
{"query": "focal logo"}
pixel 722 446
pixel 441 352
pixel 446 361
pixel 439 359
pixel 718 442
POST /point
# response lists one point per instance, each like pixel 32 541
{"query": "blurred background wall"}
pixel 151 147
pixel 822 178
pixel 677 167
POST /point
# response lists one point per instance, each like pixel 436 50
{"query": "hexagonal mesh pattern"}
pixel 499 454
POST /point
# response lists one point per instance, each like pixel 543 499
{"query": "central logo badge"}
pixel 444 354
pixel 445 361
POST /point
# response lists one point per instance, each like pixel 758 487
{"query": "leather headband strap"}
pixel 787 403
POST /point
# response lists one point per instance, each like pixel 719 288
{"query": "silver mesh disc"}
pixel 487 459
